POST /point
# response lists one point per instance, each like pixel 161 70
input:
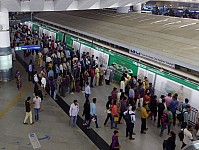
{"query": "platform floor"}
pixel 54 122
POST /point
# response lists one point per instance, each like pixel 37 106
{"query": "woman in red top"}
pixel 147 100
pixel 115 115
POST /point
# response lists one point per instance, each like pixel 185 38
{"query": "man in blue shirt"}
pixel 93 113
pixel 50 73
pixel 87 91
pixel 173 106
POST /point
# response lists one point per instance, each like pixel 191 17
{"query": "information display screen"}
pixel 5 62
pixel 28 47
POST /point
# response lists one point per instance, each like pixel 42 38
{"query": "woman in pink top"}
pixel 114 113
pixel 168 99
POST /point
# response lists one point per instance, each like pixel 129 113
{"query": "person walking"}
pixel 188 137
pixel 87 91
pixel 130 121
pixel 115 142
pixel 93 113
pixel 86 112
pixel 28 106
pixel 166 120
pixel 169 144
pixel 123 108
pixel 37 106
pixel 144 116
pixel 108 110
pixel 73 112
pixel 115 115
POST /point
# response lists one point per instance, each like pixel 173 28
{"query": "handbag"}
pixel 116 119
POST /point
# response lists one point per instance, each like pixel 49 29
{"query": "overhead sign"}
pixel 28 47
pixel 163 62
pixel 34 141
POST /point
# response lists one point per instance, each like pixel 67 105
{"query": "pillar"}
pixel 137 7
pixel 123 9
pixel 5 50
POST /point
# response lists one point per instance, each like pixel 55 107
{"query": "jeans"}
pixel 91 82
pixel 121 115
pixel 109 116
pixel 91 117
pixel 73 120
pixel 36 111
pixel 112 122
pixel 164 126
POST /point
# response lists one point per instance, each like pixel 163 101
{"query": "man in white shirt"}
pixel 87 91
pixel 36 80
pixel 130 121
pixel 73 112
pixel 188 137
pixel 43 84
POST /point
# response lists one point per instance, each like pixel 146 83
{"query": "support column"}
pixel 123 9
pixel 137 7
pixel 5 50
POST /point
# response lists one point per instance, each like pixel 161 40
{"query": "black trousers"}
pixel 107 117
pixel 30 76
pixel 129 129
pixel 143 124
pixel 121 115
pixel 174 119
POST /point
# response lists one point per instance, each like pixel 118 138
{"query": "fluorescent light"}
pixel 159 21
pixel 172 23
pixel 146 19
pixel 187 25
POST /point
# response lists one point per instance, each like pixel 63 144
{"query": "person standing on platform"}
pixel 37 106
pixel 87 91
pixel 130 121
pixel 18 80
pixel 101 75
pixel 112 72
pixel 107 76
pixel 30 70
pixel 73 112
pixel 28 105
pixel 144 116
pixel 97 76
pixel 115 142
pixel 173 106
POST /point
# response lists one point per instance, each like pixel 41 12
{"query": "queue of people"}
pixel 63 71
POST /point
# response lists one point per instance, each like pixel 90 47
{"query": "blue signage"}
pixel 28 47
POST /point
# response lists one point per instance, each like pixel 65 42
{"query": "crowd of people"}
pixel 65 71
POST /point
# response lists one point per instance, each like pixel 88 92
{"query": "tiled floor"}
pixel 54 123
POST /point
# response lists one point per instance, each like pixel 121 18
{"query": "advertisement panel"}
pixel 59 37
pixel 69 41
pixel 122 64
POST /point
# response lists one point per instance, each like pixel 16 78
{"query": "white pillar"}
pixel 137 7
pixel 123 9
pixel 5 50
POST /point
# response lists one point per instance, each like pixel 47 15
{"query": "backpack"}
pixel 180 116
pixel 181 135
pixel 127 117
pixel 164 118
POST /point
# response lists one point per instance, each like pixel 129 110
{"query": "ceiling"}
pixel 62 5
pixel 171 39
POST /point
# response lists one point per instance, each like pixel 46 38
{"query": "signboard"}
pixel 5 62
pixel 28 47
pixel 34 141
pixel 152 58
pixel 59 37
